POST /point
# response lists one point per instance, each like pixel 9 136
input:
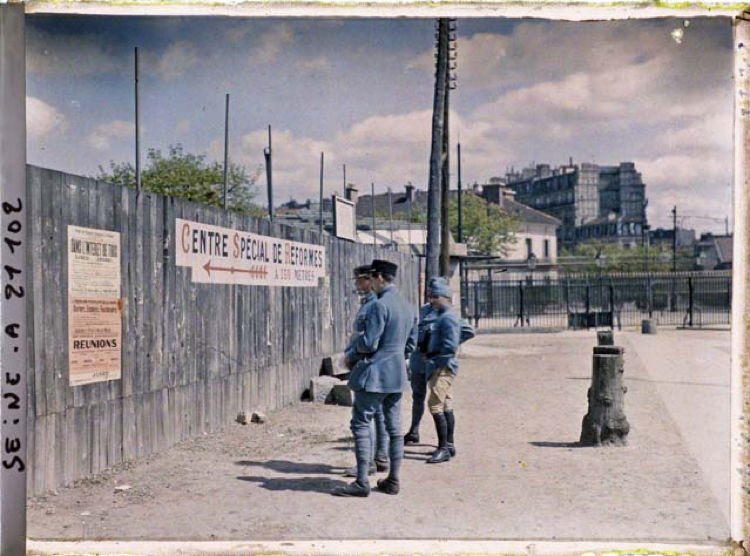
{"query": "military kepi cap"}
pixel 436 281
pixel 385 268
pixel 441 289
pixel 363 271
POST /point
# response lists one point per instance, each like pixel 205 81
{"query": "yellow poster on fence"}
pixel 94 306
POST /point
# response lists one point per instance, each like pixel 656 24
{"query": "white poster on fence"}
pixel 94 306
pixel 219 255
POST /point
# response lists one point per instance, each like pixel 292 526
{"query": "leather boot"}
pixel 451 420
pixel 352 490
pixel 441 426
pixel 411 437
pixel 388 485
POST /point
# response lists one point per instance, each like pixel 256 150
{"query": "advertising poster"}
pixel 94 306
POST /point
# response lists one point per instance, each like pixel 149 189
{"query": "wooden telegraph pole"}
pixel 436 153
pixel 450 83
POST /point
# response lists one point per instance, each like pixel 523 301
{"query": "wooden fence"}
pixel 193 355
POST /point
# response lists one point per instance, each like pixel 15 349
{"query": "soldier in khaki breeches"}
pixel 441 367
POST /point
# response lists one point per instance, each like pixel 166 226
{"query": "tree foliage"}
pixel 616 258
pixel 191 177
pixel 488 229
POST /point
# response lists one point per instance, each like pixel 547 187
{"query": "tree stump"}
pixel 605 337
pixel 605 423
pixel 648 327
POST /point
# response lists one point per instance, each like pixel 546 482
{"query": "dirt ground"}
pixel 518 474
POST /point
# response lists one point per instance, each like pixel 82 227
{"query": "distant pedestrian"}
pixel 441 367
pixel 378 377
pixel 427 318
pixel 378 433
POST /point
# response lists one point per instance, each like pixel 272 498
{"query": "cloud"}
pixel 68 54
pixel 697 186
pixel 43 119
pixel 102 137
pixel 296 161
pixel 175 60
pixel 537 51
pixel 319 64
pixel 700 135
pixel 272 43
pixel 183 127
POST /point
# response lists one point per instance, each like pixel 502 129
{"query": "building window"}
pixel 546 249
pixel 528 247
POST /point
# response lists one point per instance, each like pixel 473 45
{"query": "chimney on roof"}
pixel 352 193
pixel 409 192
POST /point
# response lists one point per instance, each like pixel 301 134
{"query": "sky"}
pixel 655 92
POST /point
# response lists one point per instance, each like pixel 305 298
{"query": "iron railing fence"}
pixel 691 299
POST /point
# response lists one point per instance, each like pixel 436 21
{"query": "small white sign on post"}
pixel 219 255
pixel 94 306
pixel 344 218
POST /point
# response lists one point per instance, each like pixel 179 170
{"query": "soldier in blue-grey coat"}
pixel 378 432
pixel 427 317
pixel 378 377
pixel 441 368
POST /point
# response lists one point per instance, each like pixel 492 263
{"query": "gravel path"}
pixel 518 475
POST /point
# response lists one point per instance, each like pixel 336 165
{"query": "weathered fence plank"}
pixel 193 355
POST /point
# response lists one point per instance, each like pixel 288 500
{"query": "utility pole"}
pixel 390 214
pixel 436 160
pixel 320 208
pixel 674 239
pixel 269 183
pixel 372 209
pixel 450 83
pixel 460 199
pixel 137 126
pixel 344 181
pixel 226 151
pixel 445 231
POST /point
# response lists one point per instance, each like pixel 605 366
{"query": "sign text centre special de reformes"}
pixel 226 256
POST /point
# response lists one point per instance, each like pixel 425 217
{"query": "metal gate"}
pixel 692 299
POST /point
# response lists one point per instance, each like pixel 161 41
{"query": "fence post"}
pixel 520 308
pixel 476 304
pixel 490 293
pixel 690 301
pixel 612 307
pixel 588 303
pixel 567 300
pixel 462 290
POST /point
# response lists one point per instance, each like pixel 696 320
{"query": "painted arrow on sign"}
pixel 258 272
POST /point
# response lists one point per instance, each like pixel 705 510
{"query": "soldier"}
pixel 378 433
pixel 427 317
pixel 441 367
pixel 378 377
